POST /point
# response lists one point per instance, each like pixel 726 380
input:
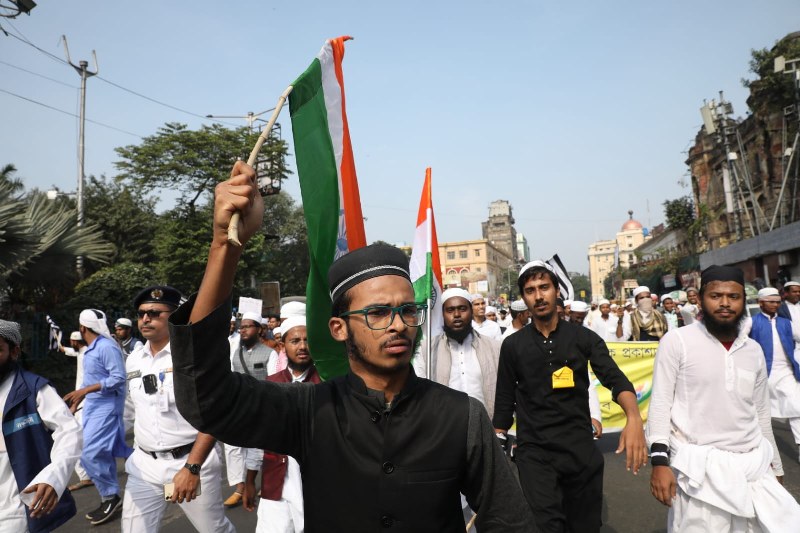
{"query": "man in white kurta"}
pixel 66 448
pixel 709 420
pixel 780 344
pixel 611 326
pixel 76 349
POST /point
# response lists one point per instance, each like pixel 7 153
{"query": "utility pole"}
pixel 716 117
pixel 82 69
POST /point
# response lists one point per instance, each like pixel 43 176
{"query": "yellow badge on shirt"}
pixel 562 378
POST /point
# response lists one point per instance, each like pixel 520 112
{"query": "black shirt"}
pixel 555 419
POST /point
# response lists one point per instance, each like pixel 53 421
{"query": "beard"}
pixel 722 329
pixel 458 335
pixel 7 368
pixel 299 367
pixel 355 351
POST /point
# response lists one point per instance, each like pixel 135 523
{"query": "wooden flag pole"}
pixel 233 227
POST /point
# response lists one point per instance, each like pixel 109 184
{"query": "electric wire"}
pixel 70 114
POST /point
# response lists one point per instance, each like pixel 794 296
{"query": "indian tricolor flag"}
pixel 425 269
pixel 329 188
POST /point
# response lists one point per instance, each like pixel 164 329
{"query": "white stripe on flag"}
pixel 564 283
pixel 55 334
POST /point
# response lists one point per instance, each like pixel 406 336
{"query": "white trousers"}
pixel 234 464
pixel 286 515
pixel 144 505
pixel 82 475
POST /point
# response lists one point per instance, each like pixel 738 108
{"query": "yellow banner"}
pixel 635 359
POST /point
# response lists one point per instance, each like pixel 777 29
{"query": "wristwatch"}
pixel 193 468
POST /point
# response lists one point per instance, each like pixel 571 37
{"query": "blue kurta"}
pixel 103 427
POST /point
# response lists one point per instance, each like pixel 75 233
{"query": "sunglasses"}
pixel 151 313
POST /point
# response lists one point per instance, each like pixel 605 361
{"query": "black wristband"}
pixel 659 454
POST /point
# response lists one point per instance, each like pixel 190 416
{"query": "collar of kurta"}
pixel 360 388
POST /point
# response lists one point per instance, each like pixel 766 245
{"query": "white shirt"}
pixel 607 328
pixel 67 443
pixel 706 395
pixel 157 425
pixel 689 313
pixel 70 352
pixel 509 330
pixel 489 328
pixel 465 371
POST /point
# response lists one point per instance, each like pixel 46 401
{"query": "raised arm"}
pixel 238 193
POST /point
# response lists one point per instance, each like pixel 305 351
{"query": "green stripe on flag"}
pixel 423 286
pixel 316 169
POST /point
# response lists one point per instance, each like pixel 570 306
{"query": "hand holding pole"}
pixel 233 227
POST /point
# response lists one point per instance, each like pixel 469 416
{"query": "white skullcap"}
pixel 290 309
pixel 75 336
pixel 255 317
pixel 614 306
pixel 276 331
pixel 568 303
pixel 535 263
pixel 667 296
pixel 291 322
pixel 457 291
pixel 124 322
pixel 628 302
pixel 639 290
pixel 491 309
pixel 95 320
pixel 233 318
pixel 579 307
pixel 791 284
pixel 769 294
pixel 603 302
pixel 264 321
pixel 518 305
pixel 476 297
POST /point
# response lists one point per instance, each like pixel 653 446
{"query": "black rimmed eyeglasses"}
pixel 380 317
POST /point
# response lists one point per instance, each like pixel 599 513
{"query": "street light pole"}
pixel 82 69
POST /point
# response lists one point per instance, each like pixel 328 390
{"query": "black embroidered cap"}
pixel 366 263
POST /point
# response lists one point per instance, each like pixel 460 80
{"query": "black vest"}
pixel 372 469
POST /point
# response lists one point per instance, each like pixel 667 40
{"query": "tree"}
pixel 110 289
pixel 39 243
pixel 772 91
pixel 580 282
pixel 679 212
pixel 126 217
pixel 193 162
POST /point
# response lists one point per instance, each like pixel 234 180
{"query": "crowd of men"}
pixel 364 450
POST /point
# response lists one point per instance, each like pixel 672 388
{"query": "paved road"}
pixel 628 506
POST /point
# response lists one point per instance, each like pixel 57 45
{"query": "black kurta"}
pixel 364 467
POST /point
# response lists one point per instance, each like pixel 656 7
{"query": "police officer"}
pixel 172 462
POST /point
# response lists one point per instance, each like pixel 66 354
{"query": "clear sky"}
pixel 573 111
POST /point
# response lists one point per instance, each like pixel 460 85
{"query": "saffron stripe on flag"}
pixel 424 266
pixel 329 189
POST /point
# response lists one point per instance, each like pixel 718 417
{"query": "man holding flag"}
pixel 371 444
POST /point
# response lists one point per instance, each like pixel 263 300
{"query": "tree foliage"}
pixel 772 91
pixel 679 212
pixel 192 162
pixel 126 217
pixel 39 244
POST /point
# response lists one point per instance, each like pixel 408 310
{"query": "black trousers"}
pixel 565 495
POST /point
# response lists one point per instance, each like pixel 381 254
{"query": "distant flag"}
pixel 329 188
pixel 425 269
pixel 55 335
pixel 616 256
pixel 564 283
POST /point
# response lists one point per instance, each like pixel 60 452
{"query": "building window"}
pixel 477 252
pixel 478 269
pixel 462 254
pixel 451 255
